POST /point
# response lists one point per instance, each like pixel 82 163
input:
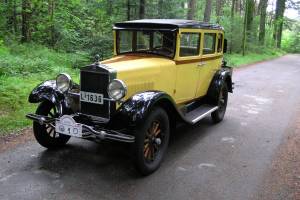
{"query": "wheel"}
pixel 45 134
pixel 151 141
pixel 218 115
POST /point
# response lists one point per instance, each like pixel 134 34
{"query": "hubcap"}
pixel 153 141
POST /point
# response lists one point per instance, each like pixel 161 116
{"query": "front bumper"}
pixel 88 131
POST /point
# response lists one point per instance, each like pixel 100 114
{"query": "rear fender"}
pixel 222 76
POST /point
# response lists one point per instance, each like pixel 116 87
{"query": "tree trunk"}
pixel 207 11
pixel 160 6
pixel 262 22
pixel 128 10
pixel 231 24
pixel 191 9
pixel 280 7
pixel 15 23
pixel 142 9
pixel 250 4
pixel 219 9
pixel 25 21
pixel 238 6
pixel 51 8
pixel 245 27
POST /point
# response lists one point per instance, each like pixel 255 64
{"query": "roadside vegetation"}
pixel 22 67
pixel 39 39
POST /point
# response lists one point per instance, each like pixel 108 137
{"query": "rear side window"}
pixel 220 43
pixel 189 44
pixel 209 43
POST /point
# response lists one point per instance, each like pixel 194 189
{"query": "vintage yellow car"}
pixel 163 72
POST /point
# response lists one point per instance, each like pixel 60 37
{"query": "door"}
pixel 210 62
pixel 187 70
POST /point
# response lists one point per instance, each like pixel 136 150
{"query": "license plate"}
pixel 91 97
pixel 67 126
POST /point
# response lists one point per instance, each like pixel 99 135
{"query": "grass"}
pixel 238 60
pixel 22 67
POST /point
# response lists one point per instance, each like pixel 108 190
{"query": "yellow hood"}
pixel 143 72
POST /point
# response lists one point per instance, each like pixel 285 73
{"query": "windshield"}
pixel 153 42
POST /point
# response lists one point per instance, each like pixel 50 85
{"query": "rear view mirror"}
pixel 225 46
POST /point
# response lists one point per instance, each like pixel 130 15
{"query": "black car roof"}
pixel 165 24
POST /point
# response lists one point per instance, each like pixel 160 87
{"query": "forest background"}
pixel 41 38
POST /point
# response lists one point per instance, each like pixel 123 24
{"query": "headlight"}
pixel 63 82
pixel 117 89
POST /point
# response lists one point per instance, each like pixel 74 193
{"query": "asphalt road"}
pixel 224 161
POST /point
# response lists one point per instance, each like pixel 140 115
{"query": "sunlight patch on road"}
pixel 206 165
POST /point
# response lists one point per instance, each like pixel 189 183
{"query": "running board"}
pixel 199 113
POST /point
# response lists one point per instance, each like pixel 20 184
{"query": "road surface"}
pixel 225 161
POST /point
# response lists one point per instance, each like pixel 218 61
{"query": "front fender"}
pixel 133 111
pixel 47 91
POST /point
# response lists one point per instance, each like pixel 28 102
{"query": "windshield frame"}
pixel 117 47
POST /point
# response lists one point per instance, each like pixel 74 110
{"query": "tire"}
pixel 218 115
pixel 45 134
pixel 151 141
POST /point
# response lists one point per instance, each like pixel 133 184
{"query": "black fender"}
pixel 47 91
pixel 134 110
pixel 222 76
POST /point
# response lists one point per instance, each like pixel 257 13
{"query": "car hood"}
pixel 136 62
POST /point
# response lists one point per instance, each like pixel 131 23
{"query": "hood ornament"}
pixel 97 60
pixel 98 63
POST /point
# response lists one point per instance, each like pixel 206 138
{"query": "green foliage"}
pixel 22 67
pixel 291 39
pixel 237 60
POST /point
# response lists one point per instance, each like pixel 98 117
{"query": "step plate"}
pixel 199 113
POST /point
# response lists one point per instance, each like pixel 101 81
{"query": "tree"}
pixel 142 9
pixel 128 10
pixel 233 4
pixel 207 11
pixel 262 21
pixel 191 9
pixel 26 35
pixel 248 23
pixel 277 34
pixel 219 9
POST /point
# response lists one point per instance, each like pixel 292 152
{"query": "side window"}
pixel 189 44
pixel 220 43
pixel 125 41
pixel 209 43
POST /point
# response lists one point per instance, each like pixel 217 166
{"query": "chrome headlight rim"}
pixel 68 82
pixel 122 88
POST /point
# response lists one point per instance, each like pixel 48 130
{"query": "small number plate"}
pixel 71 130
pixel 91 97
pixel 67 126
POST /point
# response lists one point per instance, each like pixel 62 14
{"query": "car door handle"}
pixel 201 64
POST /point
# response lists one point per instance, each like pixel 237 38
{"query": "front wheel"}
pixel 222 98
pixel 151 141
pixel 45 134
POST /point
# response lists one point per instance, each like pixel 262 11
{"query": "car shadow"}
pixel 110 159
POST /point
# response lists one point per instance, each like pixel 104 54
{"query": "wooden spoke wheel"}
pixel 218 115
pixel 151 142
pixel 45 134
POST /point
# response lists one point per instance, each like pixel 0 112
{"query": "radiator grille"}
pixel 96 82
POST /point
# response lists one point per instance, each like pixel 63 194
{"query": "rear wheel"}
pixel 45 134
pixel 151 141
pixel 218 115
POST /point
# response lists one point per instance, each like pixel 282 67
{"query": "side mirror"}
pixel 225 46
